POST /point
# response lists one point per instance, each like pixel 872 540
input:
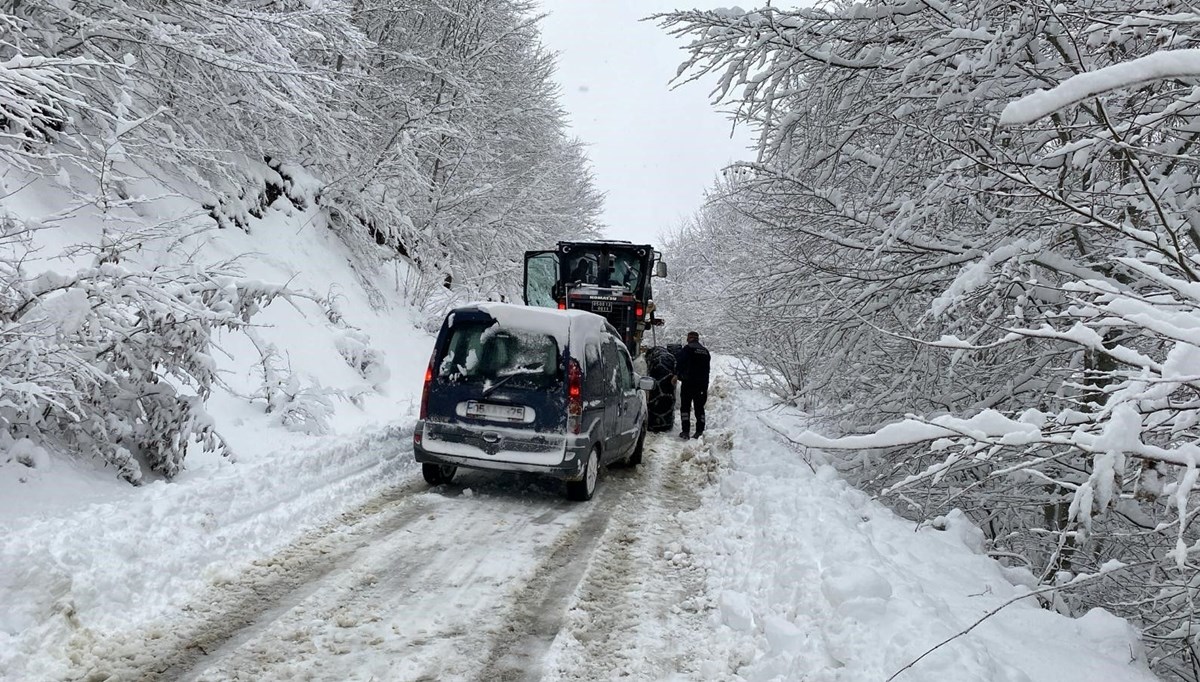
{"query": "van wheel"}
pixel 635 458
pixel 582 490
pixel 437 474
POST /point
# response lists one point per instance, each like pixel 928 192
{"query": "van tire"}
pixel 635 457
pixel 583 489
pixel 437 474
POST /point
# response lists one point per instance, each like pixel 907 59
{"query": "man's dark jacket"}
pixel 692 368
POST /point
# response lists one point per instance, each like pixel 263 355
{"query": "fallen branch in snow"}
pixel 1079 580
pixel 804 448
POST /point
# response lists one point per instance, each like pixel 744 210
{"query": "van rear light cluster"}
pixel 425 391
pixel 574 396
pixel 562 305
pixel 639 312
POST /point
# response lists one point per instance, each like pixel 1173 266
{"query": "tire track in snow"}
pixel 436 598
pixel 641 595
pixel 401 588
pixel 538 609
pixel 233 609
pixel 598 586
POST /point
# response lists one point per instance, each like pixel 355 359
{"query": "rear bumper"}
pixel 555 455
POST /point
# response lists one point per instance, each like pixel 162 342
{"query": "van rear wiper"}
pixel 529 366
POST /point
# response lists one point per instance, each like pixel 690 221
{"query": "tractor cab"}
pixel 609 278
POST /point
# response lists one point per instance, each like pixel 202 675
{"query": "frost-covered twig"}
pixel 1079 581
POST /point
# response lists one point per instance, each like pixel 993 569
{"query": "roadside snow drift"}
pixel 811 579
pixel 84 552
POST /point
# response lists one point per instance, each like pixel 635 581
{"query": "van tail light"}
pixel 574 396
pixel 425 391
pixel 639 312
pixel 562 305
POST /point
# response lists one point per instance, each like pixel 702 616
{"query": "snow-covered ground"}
pixel 341 314
pixel 82 552
pixel 809 578
pixel 735 557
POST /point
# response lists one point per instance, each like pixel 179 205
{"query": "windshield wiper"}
pixel 528 366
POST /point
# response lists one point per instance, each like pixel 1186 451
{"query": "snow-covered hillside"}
pixel 174 176
pixel 335 352
pixel 343 356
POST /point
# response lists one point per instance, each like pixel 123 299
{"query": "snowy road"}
pixel 468 581
pixel 734 558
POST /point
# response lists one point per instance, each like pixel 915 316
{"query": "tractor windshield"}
pixel 605 268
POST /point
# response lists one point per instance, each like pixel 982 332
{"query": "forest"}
pixel 426 134
pixel 970 246
pixel 967 245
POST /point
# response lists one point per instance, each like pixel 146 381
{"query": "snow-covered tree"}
pixel 1015 269
pixel 213 84
pixel 425 131
pixel 114 362
pixel 498 171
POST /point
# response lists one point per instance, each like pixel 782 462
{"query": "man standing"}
pixel 692 371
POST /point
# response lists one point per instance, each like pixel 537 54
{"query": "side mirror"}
pixel 646 383
pixel 660 269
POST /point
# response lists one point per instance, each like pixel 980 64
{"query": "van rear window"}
pixel 482 352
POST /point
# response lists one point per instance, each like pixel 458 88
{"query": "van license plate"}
pixel 602 306
pixel 490 411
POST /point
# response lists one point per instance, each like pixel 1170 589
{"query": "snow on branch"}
pixel 1152 67
pixel 115 362
pixel 1056 265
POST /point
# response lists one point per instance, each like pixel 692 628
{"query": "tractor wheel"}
pixel 660 403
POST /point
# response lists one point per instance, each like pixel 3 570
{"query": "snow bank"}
pixel 112 566
pixel 81 551
pixel 816 581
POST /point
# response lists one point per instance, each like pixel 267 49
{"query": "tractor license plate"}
pixel 511 413
pixel 601 306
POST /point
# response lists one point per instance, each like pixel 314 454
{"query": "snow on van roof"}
pixel 571 328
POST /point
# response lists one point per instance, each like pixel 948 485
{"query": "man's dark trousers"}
pixel 689 398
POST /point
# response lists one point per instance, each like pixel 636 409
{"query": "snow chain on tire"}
pixel 660 403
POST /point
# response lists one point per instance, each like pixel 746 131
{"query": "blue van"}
pixel 515 388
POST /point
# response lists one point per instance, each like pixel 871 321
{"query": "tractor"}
pixel 612 279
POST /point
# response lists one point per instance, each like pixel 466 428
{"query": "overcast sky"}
pixel 654 150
